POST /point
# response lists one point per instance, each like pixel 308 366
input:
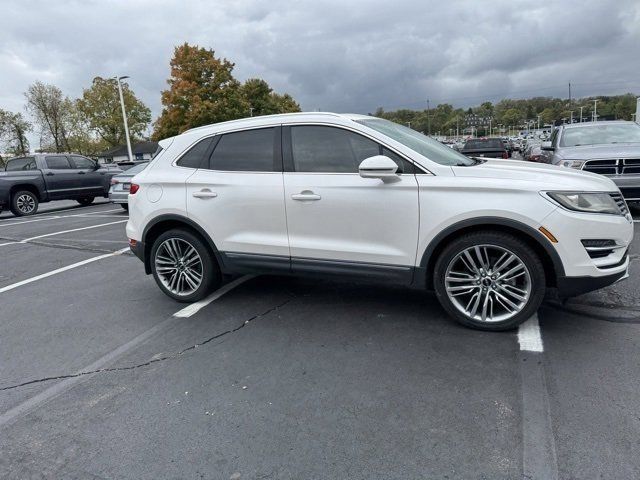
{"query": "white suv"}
pixel 357 197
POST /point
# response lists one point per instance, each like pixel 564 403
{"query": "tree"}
pixel 99 111
pixel 13 131
pixel 202 90
pixel 51 111
pixel 263 100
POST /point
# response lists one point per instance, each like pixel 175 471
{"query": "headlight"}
pixel 577 164
pixel 586 202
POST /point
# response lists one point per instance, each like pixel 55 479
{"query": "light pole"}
pixel 124 116
pixel 571 119
pixel 538 124
pixel 251 111
pixel 581 114
pixel 595 110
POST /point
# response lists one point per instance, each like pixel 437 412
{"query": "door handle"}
pixel 306 196
pixel 205 194
pixel 81 173
pixel 49 174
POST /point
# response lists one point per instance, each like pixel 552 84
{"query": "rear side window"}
pixel 18 164
pixel 247 151
pixel 57 162
pixel 196 155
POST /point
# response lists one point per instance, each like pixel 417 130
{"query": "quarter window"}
pixel 197 155
pixel 26 163
pixel 57 162
pixel 246 151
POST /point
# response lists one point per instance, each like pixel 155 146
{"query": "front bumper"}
pixel 629 186
pixel 574 286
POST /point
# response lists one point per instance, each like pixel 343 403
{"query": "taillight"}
pixel 114 181
pixel 133 188
pixel 505 155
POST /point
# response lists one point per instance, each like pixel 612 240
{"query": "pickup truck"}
pixel 30 180
pixel 485 147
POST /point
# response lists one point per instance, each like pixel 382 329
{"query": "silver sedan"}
pixel 120 184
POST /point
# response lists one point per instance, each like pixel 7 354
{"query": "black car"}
pixel 33 179
pixel 485 147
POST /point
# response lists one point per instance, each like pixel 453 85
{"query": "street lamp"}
pixel 124 116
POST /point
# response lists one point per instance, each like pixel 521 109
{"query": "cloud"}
pixel 329 54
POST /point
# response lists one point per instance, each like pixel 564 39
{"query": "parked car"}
pixel 534 154
pixel 358 197
pixel 30 180
pixel 508 146
pixel 485 147
pixel 610 148
pixel 120 184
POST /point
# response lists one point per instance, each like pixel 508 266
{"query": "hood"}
pixel 589 152
pixel 537 176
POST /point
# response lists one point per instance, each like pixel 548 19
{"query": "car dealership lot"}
pixel 293 378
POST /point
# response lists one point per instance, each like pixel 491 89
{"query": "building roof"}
pixel 121 150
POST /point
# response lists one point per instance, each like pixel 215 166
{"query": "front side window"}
pixel 197 155
pixel 19 164
pixel 57 162
pixel 329 150
pixel 82 162
pixel 335 150
pixel 246 151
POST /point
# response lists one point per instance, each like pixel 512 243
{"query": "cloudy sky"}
pixel 337 55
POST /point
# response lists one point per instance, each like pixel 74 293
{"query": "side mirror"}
pixel 378 166
pixel 96 165
pixel 547 146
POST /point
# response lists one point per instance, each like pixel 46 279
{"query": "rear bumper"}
pixel 574 286
pixel 119 197
pixel 137 249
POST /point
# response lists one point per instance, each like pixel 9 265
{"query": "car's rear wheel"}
pixel 489 280
pixel 84 201
pixel 24 203
pixel 183 266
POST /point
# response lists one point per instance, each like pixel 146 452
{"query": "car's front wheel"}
pixel 489 280
pixel 183 267
pixel 84 201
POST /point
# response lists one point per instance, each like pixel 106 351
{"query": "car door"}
pixel 60 176
pixel 339 222
pixel 237 195
pixel 90 180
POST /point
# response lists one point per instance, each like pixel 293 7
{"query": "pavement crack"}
pixel 154 360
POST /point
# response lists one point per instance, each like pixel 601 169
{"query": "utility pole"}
pixel 124 117
pixel 569 93
pixel 428 118
pixel 581 114
pixel 595 111
pixel 538 124
pixel 457 126
pixel 409 124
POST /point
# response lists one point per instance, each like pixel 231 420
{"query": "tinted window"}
pixel 57 162
pixel 26 163
pixel 248 151
pixel 329 149
pixel 488 143
pixel 82 162
pixel 196 154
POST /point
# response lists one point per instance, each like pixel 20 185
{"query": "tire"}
pixel 125 206
pixel 462 285
pixel 24 203
pixel 84 201
pixel 164 258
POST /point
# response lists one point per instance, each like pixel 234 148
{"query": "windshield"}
pixel 416 141
pixel 601 134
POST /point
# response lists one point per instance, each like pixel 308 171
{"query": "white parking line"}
pixel 197 306
pixel 27 240
pixel 529 336
pixel 60 270
pixel 54 217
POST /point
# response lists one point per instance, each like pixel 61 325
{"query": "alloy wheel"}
pixel 179 266
pixel 488 283
pixel 25 204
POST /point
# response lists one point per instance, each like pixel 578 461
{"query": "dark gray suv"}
pixel 608 148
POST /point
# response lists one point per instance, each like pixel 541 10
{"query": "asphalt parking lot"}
pixel 102 376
